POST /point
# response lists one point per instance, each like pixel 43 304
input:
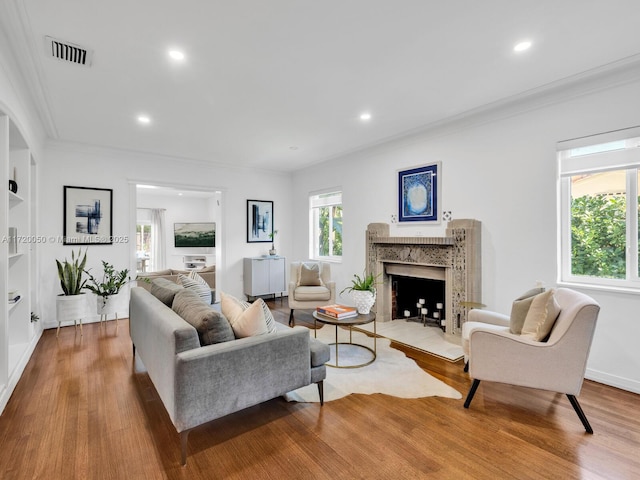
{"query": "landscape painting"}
pixel 195 234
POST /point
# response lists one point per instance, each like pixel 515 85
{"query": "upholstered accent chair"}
pixel 310 286
pixel 556 364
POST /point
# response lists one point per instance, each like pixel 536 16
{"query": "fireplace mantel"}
pixel 458 253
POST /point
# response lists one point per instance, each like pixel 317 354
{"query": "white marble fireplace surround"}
pixel 454 258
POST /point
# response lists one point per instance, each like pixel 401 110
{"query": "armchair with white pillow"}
pixel 310 286
pixel 549 353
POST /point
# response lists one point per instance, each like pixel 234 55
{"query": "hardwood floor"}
pixel 83 410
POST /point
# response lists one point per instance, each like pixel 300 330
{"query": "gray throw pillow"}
pixel 520 308
pixel 310 275
pixel 211 325
pixel 164 290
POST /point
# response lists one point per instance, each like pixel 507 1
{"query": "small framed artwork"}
pixel 419 194
pixel 88 216
pixel 259 221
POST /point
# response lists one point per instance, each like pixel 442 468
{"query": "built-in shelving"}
pixel 18 335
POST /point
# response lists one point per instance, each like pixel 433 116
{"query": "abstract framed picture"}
pixel 419 194
pixel 88 216
pixel 259 221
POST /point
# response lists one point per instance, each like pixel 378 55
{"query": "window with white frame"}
pixel 598 211
pixel 325 226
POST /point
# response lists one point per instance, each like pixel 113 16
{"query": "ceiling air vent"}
pixel 68 52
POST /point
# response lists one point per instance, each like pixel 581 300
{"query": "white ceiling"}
pixel 262 76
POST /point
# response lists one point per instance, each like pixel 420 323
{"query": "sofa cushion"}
pixel 251 321
pixel 164 290
pixel 312 294
pixel 197 284
pixel 309 275
pixel 211 325
pixel 520 308
pixel 541 316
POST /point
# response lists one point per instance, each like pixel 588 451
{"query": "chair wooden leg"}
pixel 472 392
pixel 292 320
pixel 321 391
pixel 581 415
pixel 184 436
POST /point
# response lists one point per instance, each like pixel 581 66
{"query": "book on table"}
pixel 337 311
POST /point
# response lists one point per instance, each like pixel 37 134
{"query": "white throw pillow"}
pixel 196 283
pixel 250 322
pixel 232 308
pixel 541 317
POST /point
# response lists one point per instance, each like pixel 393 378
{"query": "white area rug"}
pixel 392 373
pixel 416 335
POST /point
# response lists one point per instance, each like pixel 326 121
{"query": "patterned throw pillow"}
pixel 232 308
pixel 196 283
pixel 250 322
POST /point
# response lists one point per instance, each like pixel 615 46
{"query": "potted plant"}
pixel 72 303
pixel 108 287
pixel 363 291
pixel 272 236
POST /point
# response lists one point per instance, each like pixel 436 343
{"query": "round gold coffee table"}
pixel 360 319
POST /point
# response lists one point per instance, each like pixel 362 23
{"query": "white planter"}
pixel 109 307
pixel 71 307
pixel 364 300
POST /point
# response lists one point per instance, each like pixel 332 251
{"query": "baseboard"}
pixel 613 380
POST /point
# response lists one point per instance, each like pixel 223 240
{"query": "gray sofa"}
pixel 198 384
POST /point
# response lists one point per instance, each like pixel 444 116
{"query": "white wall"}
pixel 94 167
pixel 499 168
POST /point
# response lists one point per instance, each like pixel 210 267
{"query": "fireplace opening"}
pixel 408 292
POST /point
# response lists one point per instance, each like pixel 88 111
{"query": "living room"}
pixel 499 165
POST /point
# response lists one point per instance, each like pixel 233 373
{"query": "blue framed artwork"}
pixel 419 194
pixel 88 216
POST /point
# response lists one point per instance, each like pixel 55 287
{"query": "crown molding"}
pixel 85 148
pixel 605 77
pixel 23 46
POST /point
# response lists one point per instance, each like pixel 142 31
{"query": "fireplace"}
pixel 453 259
pixel 416 298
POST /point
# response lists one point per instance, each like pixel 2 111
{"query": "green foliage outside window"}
pixel 330 217
pixel 598 236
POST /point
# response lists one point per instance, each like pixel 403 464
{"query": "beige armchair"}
pixel 557 365
pixel 310 286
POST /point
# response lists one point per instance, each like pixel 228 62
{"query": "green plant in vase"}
pixel 110 284
pixel 363 291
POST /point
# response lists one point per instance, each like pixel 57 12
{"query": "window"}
pixel 325 221
pixel 599 212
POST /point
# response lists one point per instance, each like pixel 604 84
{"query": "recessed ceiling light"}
pixel 365 116
pixel 522 46
pixel 144 119
pixel 176 54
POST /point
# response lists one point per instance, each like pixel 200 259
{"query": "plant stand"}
pixel 108 307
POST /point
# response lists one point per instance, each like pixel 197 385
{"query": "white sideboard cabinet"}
pixel 264 276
